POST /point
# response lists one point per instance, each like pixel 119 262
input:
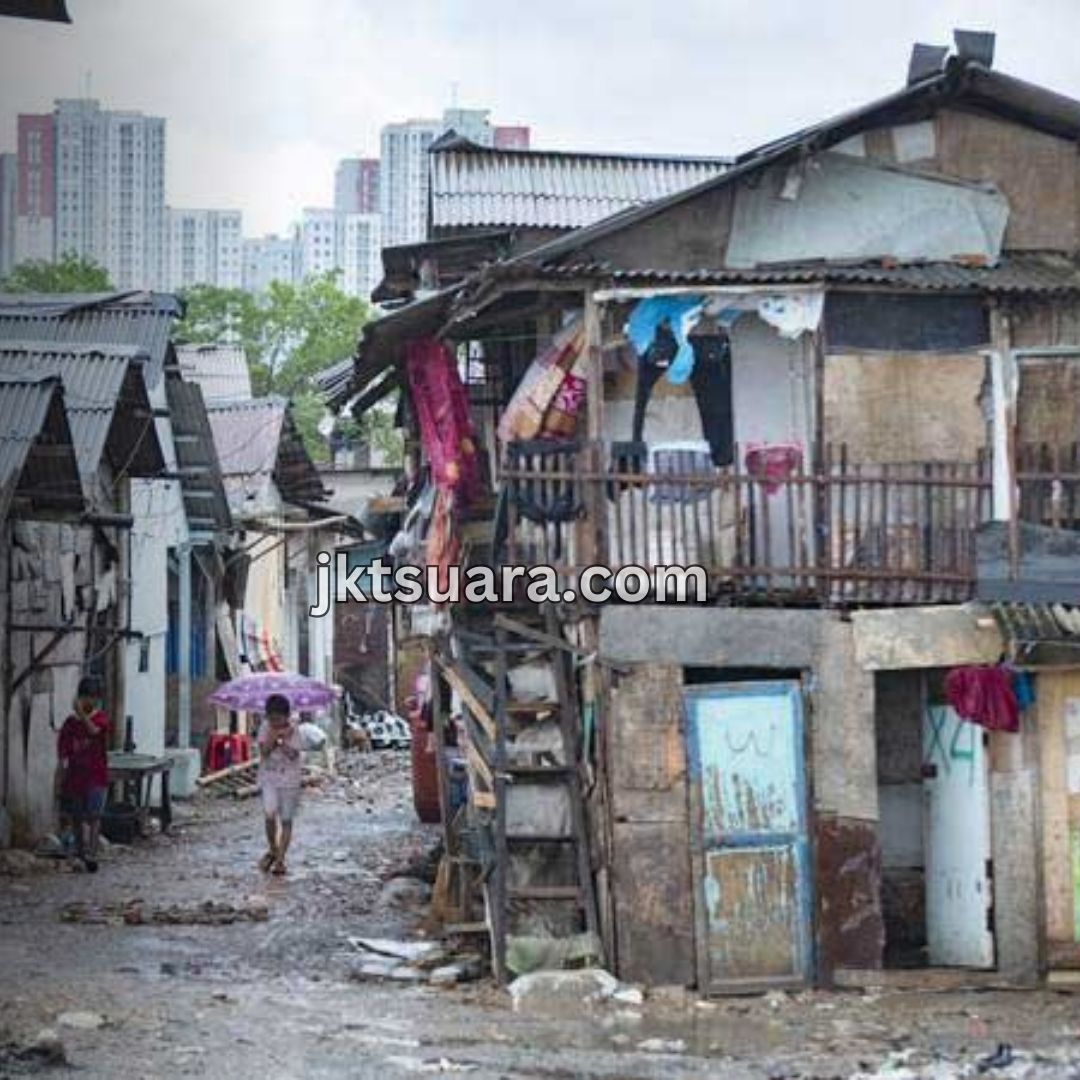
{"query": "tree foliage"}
pixel 288 333
pixel 71 274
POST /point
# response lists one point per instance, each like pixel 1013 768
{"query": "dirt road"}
pixel 264 986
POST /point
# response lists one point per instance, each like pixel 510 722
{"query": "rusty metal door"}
pixel 748 812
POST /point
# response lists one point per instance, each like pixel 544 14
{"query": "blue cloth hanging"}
pixel 680 313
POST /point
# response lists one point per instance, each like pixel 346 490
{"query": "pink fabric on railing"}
pixel 442 412
pixel 772 463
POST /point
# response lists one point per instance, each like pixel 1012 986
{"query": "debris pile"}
pixel 413 961
pixel 136 912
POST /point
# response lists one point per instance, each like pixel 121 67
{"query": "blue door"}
pixel 748 804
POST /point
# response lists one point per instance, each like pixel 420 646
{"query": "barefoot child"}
pixel 280 772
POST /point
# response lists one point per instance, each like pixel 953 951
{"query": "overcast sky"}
pixel 262 97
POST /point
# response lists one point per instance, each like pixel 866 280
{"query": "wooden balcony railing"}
pixel 841 534
pixel 1048 478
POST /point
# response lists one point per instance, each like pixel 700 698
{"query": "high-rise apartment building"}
pixel 268 259
pixel 320 240
pixel 471 124
pixel 361 254
pixel 8 181
pixel 511 137
pixel 35 188
pixel 403 185
pixel 356 186
pixel 204 247
pixel 91 182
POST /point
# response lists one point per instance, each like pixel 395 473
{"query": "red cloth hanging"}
pixel 984 695
pixel 442 411
pixel 772 463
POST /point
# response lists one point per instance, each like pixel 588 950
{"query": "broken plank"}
pixel 469 693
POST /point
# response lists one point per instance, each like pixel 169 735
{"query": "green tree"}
pixel 71 274
pixel 288 333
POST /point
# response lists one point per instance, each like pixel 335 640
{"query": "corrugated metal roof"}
pixel 1028 625
pixel 962 82
pixel 333 380
pixel 221 371
pixel 105 399
pixel 37 459
pixel 204 493
pixel 257 442
pixel 1018 272
pixel 475 186
pixel 140 319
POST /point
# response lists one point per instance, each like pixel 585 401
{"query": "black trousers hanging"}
pixel 653 367
pixel 711 381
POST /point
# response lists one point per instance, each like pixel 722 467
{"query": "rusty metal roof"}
pixel 1017 272
pixel 257 441
pixel 139 319
pixel 481 187
pixel 334 380
pixel 37 459
pixel 105 398
pixel 962 82
pixel 205 502
pixel 221 371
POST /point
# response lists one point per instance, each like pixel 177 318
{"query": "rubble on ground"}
pixel 136 912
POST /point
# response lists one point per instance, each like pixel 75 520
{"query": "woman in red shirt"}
pixel 84 768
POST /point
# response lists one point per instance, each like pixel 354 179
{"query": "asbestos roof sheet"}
pixel 334 379
pixel 205 502
pixel 1018 272
pixel 142 320
pixel 105 399
pixel 257 441
pixel 475 186
pixel 221 371
pixel 37 459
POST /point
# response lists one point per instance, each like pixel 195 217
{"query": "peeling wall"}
pixel 1038 173
pixel 905 408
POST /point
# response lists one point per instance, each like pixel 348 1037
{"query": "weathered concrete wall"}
pixel 901 639
pixel 1037 172
pixel 840 735
pixel 905 407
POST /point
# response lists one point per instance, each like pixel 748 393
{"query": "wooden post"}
pixel 441 770
pixel 591 545
pixel 1004 379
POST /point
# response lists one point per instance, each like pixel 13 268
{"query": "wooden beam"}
pixel 469 694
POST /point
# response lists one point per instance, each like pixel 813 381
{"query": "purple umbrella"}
pixel 248 693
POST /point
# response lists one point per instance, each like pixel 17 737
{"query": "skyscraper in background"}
pixel 403 186
pixel 204 247
pixel 471 124
pixel 356 186
pixel 35 188
pixel 269 258
pixel 91 182
pixel 9 164
pixel 511 137
pixel 361 248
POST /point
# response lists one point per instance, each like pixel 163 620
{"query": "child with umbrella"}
pixel 280 774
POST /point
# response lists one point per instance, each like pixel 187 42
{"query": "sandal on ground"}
pixel 279 868
pixel 266 862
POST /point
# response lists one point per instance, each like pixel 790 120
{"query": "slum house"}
pixel 361 480
pixel 39 481
pixel 167 524
pixel 68 604
pixel 816 377
pixel 275 498
pixel 485 204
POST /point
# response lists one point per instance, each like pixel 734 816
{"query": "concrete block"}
pixel 187 765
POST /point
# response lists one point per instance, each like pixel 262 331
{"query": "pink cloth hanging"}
pixel 442 411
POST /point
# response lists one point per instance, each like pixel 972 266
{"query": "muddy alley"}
pixel 179 958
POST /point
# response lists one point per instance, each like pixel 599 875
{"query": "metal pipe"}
pixel 184 646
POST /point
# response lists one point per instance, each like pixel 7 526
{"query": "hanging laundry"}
pixel 1023 686
pixel 678 314
pixel 792 313
pixel 561 419
pixel 711 381
pixel 654 364
pixel 984 695
pixel 442 412
pixel 772 463
pixel 680 459
pixel 523 417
